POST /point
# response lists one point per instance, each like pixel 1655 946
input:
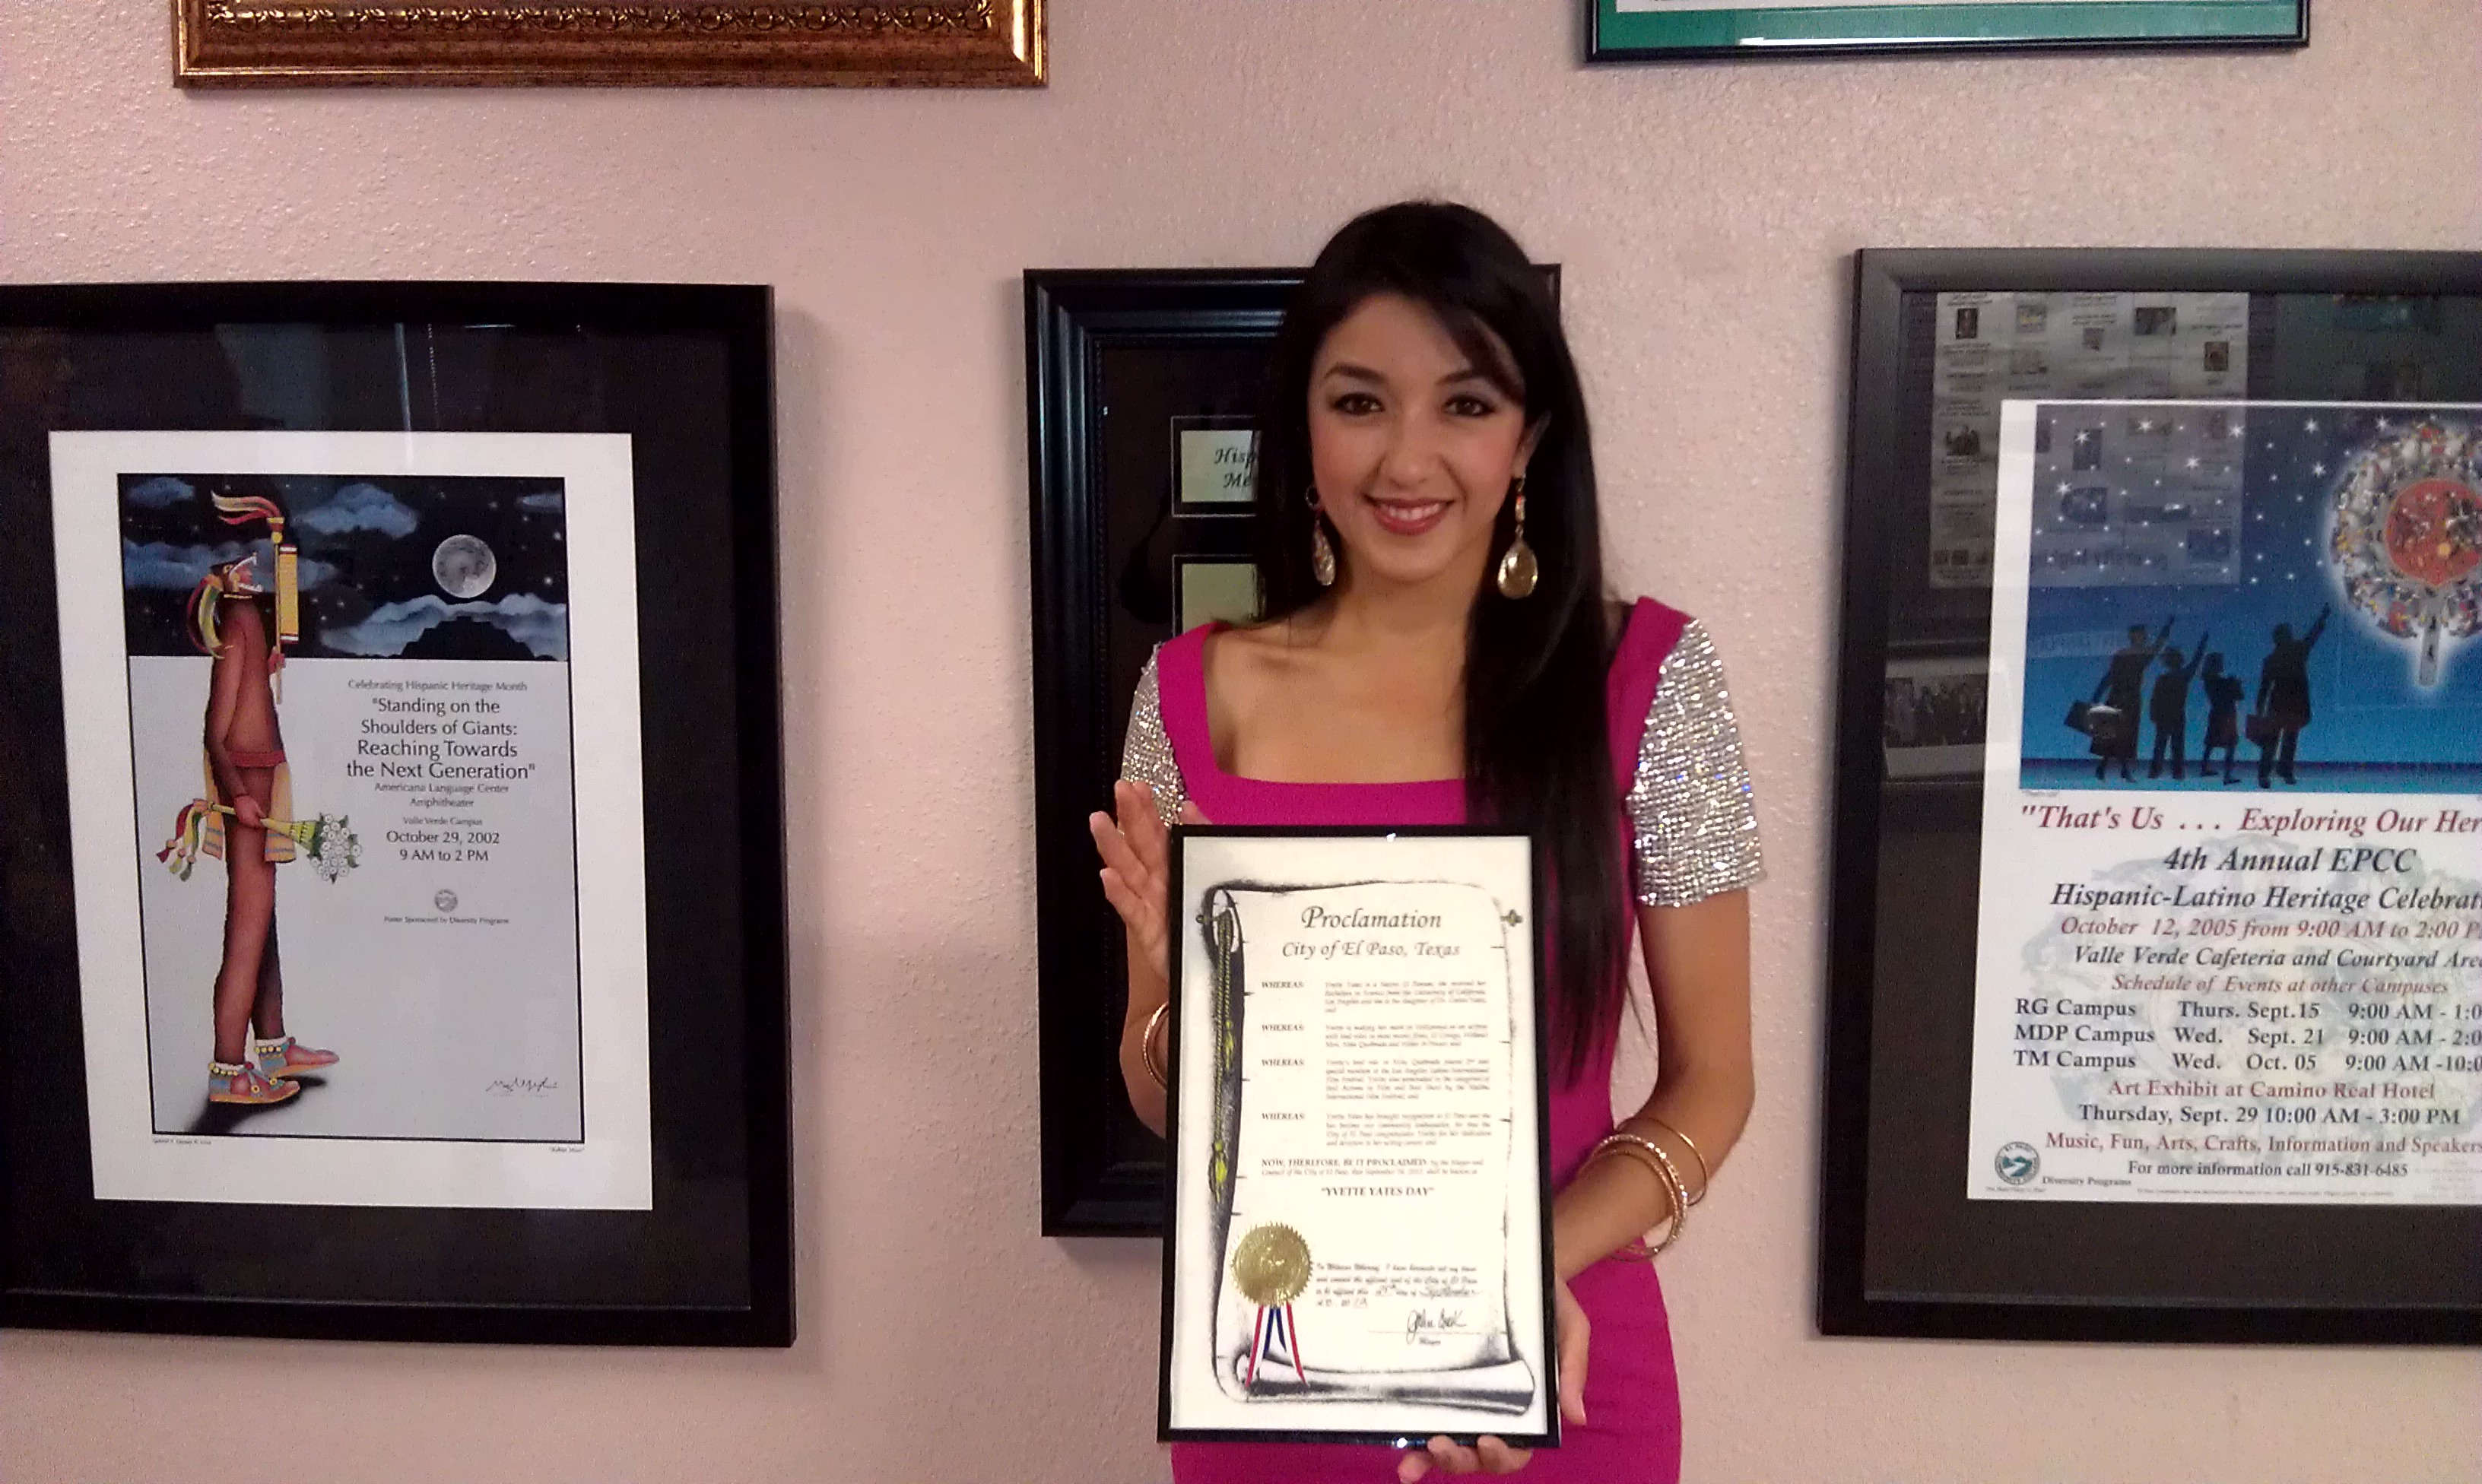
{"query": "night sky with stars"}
pixel 2373 726
pixel 369 586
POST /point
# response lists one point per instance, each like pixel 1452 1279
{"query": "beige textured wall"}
pixel 1703 215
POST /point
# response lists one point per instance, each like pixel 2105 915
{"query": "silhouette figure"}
pixel 2223 695
pixel 2168 707
pixel 2122 687
pixel 2284 699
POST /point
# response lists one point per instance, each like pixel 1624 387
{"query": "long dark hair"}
pixel 1538 754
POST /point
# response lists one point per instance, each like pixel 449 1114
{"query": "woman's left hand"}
pixel 1492 1456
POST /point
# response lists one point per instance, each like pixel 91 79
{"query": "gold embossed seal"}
pixel 1271 1265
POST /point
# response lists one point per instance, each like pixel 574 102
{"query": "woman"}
pixel 1423 461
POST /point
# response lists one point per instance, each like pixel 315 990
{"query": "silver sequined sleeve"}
pixel 1146 756
pixel 1695 832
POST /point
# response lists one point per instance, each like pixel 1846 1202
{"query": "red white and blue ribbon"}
pixel 1274 1325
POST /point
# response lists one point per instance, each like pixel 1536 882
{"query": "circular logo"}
pixel 2433 531
pixel 2018 1164
pixel 446 902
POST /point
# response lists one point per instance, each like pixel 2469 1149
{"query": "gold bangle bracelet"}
pixel 1705 1171
pixel 1680 1199
pixel 1146 1047
pixel 1637 1250
pixel 1666 1173
pixel 1659 1159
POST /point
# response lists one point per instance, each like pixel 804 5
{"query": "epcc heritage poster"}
pixel 2231 923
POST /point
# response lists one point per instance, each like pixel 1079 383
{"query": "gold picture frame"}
pixel 285 44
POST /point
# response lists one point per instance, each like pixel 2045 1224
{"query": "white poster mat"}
pixel 611 1168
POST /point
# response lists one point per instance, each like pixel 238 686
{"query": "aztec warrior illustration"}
pixel 244 816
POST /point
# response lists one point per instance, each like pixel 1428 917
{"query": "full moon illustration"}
pixel 463 566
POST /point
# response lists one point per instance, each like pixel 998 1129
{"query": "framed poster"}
pixel 1670 30
pixel 1360 1238
pixel 2156 988
pixel 341 908
pixel 277 43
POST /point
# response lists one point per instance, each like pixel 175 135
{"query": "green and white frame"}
pixel 1644 30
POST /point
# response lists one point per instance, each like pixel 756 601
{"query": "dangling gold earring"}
pixel 1518 569
pixel 1322 553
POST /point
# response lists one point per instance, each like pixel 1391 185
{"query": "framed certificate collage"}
pixel 352 632
pixel 1142 389
pixel 2156 999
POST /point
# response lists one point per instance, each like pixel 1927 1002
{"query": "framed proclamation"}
pixel 353 632
pixel 1360 1244
pixel 2156 1001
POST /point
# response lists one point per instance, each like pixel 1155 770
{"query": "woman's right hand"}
pixel 1136 851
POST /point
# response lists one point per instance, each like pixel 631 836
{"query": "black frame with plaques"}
pixel 1114 358
pixel 1902 1251
pixel 686 371
pixel 1109 352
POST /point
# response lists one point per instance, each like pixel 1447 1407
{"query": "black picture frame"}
pixel 686 371
pixel 1897 1073
pixel 1724 31
pixel 1103 1170
pixel 1104 537
pixel 1549 1348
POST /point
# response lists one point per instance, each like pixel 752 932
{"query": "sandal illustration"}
pixel 286 1058
pixel 238 1082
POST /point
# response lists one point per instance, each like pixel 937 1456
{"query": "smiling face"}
pixel 1413 445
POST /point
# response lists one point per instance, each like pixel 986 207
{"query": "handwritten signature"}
pixel 530 1086
pixel 1420 1322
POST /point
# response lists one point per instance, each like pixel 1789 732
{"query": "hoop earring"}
pixel 1518 568
pixel 1322 552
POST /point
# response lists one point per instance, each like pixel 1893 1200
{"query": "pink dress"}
pixel 1678 765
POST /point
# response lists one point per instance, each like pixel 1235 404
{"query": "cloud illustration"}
pixel 159 492
pixel 161 565
pixel 551 500
pixel 541 627
pixel 359 506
